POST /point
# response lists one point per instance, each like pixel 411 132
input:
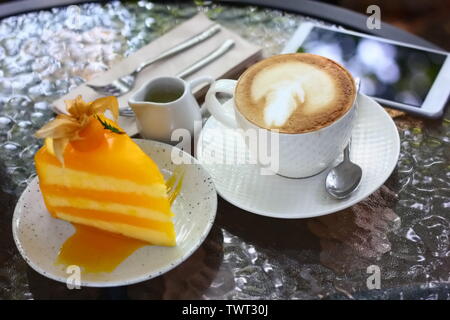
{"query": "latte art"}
pixel 294 93
pixel 281 101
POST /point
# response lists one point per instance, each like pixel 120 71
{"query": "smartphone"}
pixel 400 75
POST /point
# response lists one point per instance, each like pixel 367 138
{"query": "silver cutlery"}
pixel 211 56
pixel 345 178
pixel 124 84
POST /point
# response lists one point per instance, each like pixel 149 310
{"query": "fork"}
pixel 124 84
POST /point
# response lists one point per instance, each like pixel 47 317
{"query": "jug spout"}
pixel 138 106
pixel 138 99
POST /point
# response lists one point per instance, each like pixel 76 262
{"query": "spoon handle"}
pixel 347 148
pixel 347 151
pixel 358 86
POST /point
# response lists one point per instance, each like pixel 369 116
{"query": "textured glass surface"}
pixel 404 228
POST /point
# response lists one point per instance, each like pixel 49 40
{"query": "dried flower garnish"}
pixel 66 127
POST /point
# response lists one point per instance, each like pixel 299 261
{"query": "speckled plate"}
pixel 375 147
pixel 39 237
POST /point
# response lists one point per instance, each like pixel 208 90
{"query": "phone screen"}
pixel 387 71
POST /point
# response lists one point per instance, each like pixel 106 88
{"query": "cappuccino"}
pixel 295 93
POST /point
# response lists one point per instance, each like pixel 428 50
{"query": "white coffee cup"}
pixel 300 154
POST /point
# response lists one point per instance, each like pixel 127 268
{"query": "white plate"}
pixel 375 147
pixel 39 237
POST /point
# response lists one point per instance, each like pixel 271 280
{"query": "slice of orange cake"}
pixel 90 172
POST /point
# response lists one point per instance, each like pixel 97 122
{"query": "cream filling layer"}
pixel 82 203
pixel 77 179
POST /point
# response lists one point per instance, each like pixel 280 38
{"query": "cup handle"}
pixel 215 107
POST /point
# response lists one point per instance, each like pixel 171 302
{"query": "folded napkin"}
pixel 230 64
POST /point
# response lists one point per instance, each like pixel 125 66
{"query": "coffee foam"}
pixel 281 100
pixel 294 93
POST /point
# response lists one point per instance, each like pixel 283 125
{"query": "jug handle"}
pixel 196 82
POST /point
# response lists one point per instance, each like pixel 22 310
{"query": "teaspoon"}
pixel 343 179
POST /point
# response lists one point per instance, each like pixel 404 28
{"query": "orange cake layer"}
pixel 106 181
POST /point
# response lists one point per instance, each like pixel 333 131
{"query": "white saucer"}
pixel 39 237
pixel 375 147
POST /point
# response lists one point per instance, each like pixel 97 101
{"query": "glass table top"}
pixel 403 229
